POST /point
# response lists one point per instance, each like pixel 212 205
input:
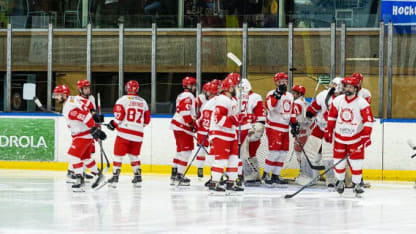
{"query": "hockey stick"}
pixel 97 186
pixel 316 177
pixel 287 196
pixel 42 108
pixel 203 147
pixel 193 158
pixel 237 61
pixel 318 168
pixel 413 146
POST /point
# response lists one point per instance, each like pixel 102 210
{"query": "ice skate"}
pixel 137 180
pixel 216 189
pixel 70 177
pixel 173 175
pixel 79 184
pixel 340 186
pixel 113 181
pixel 358 190
pixel 182 181
pixel 232 187
pixel 267 180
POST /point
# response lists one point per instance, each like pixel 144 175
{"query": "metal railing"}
pixel 199 35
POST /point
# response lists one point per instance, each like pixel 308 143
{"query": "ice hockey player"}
pixel 252 131
pixel 183 126
pixel 362 92
pixel 349 124
pixel 366 94
pixel 203 126
pixel 131 114
pixel 223 138
pixel 84 89
pixel 279 104
pixel 299 108
pixel 201 133
pixel 315 142
pixel 83 131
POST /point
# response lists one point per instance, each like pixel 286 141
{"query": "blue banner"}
pixel 399 12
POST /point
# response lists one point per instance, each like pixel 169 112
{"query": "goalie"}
pixel 252 104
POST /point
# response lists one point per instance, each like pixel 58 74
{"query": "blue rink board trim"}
pixel 161 116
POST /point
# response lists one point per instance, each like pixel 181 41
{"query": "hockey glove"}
pixel 98 133
pixel 277 94
pixel 328 137
pixel 295 128
pixel 112 125
pixel 98 118
pixel 309 114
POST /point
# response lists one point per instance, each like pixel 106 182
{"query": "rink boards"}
pixel 387 158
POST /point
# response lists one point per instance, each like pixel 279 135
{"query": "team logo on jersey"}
pixel 347 115
pixel 287 105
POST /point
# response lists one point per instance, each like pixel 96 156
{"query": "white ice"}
pixel 41 202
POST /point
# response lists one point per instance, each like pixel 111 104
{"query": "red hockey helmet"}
pixel 280 76
pixel 235 77
pixel 299 89
pixel 83 83
pixel 217 82
pixel 205 88
pixel 351 81
pixel 213 88
pixel 61 89
pixel 132 86
pixel 358 76
pixel 227 84
pixel 189 80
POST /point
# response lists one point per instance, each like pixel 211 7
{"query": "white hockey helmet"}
pixel 338 82
pixel 246 86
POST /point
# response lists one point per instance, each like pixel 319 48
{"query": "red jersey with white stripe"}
pixel 280 112
pixel 299 108
pixel 320 109
pixel 365 93
pixel 351 119
pixel 78 118
pixel 132 115
pixel 204 121
pixel 222 126
pixel 185 113
pixel 89 102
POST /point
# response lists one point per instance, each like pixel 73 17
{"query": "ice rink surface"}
pixel 41 202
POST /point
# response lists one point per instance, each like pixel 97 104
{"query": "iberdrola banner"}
pixel 27 139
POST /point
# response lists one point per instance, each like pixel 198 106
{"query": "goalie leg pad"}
pixel 251 169
pixel 256 132
pixel 327 151
pixel 312 146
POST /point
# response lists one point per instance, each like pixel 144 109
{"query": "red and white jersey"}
pixel 255 106
pixel 299 108
pixel 78 117
pixel 365 93
pixel 320 109
pixel 351 119
pixel 222 126
pixel 200 102
pixel 279 112
pixel 204 120
pixel 185 113
pixel 132 115
pixel 89 102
